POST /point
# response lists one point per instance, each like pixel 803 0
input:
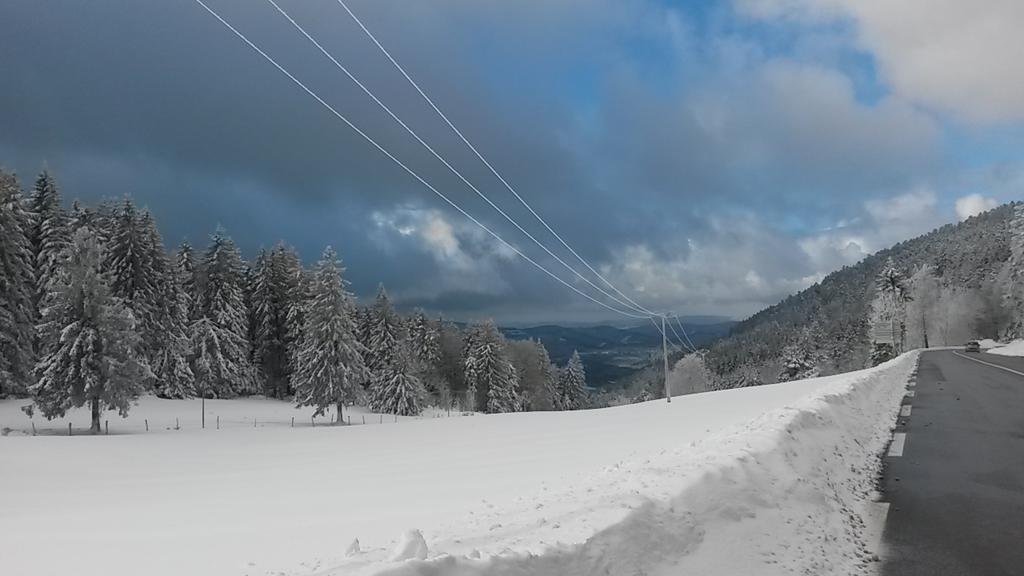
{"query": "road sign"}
pixel 883 333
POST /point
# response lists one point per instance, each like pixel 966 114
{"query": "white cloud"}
pixel 885 222
pixel 974 204
pixel 741 265
pixel 834 248
pixel 905 208
pixel 776 123
pixel 440 237
pixel 949 55
pixel 466 257
pixel 738 268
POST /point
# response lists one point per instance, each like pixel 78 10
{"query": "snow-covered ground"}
pixel 987 343
pixel 156 415
pixel 1015 348
pixel 768 480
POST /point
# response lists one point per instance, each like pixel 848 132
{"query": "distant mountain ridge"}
pixel 611 354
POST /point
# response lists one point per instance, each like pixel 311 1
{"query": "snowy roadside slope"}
pixel 790 492
pixel 1015 348
pixel 711 480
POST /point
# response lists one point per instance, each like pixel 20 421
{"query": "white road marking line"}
pixel 989 364
pixel 910 394
pixel 905 411
pixel 899 440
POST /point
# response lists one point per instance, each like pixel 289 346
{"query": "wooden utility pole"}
pixel 664 352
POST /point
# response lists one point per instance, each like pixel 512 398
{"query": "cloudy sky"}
pixel 707 157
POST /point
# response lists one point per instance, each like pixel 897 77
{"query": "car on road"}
pixel 972 347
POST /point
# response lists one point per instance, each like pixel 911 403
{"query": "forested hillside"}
pixel 95 311
pixel 961 281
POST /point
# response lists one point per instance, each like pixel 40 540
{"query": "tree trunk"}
pixel 341 405
pixel 95 428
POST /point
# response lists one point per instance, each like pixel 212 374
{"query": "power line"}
pixel 678 337
pixel 674 332
pixel 658 328
pixel 465 140
pixel 680 323
pixel 664 333
pixel 401 164
pixel 430 149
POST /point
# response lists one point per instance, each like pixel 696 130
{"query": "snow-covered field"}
pixel 1015 348
pixel 767 480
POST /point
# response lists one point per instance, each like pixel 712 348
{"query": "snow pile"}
pixel 412 547
pixel 766 480
pixel 788 493
pixel 1015 348
pixel 987 343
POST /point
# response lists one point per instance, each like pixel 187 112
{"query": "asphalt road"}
pixel 956 494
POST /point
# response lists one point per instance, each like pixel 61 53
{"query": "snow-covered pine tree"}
pixel 133 276
pixel 171 360
pixel 890 305
pixel 48 234
pixel 17 291
pixel 396 389
pixel 257 303
pixel 80 217
pixel 573 384
pixel 249 287
pixel 797 363
pixel 361 314
pixel 185 267
pixel 424 341
pixel 330 369
pixel 298 301
pixel 746 377
pixel 423 335
pixel 275 279
pixel 881 352
pixel 889 310
pixel 471 376
pixel 169 344
pixel 549 375
pixel 91 348
pixel 104 221
pixel 490 377
pixel 220 355
pixel 503 392
pixel 538 385
pixel 451 364
pixel 288 273
pixel 385 333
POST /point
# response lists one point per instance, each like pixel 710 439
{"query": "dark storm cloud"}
pixel 625 124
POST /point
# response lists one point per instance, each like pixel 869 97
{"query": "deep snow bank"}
pixel 790 492
pixel 1015 348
